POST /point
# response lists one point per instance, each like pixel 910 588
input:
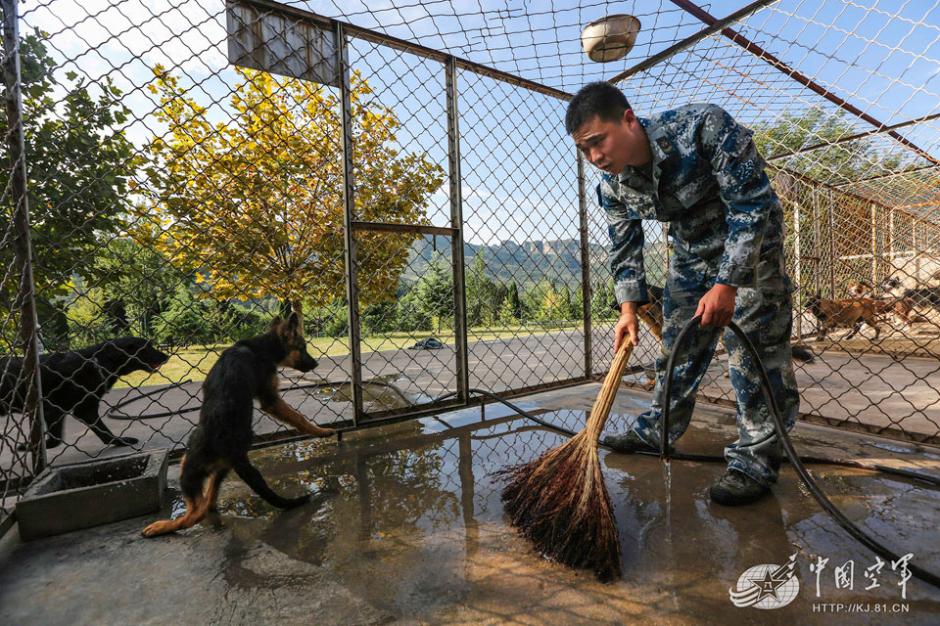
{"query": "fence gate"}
pixel 394 369
pixel 393 377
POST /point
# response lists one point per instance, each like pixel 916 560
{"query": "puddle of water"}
pixel 389 391
pixel 413 523
pixel 899 449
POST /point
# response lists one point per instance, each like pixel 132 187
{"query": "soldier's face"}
pixel 613 145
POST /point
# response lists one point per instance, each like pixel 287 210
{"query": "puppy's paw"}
pixel 326 432
pixel 124 441
pixel 156 529
pixel 316 431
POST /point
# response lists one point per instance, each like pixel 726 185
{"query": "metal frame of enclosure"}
pixel 824 256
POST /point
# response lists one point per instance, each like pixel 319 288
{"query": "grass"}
pixel 193 363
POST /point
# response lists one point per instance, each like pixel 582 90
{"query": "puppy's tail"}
pixel 253 478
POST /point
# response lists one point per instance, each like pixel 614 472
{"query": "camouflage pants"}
pixel 764 314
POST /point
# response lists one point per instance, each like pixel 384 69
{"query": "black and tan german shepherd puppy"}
pixel 220 443
pixel 74 382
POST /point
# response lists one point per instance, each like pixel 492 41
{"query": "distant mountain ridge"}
pixel 527 262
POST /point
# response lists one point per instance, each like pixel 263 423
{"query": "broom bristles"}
pixel 559 500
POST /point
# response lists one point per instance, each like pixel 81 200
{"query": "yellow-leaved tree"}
pixel 253 204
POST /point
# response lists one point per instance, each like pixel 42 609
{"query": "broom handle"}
pixel 605 398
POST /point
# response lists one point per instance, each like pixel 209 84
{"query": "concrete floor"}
pixel 410 529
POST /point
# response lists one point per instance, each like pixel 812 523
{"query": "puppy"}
pixel 221 440
pixel 894 300
pixel 651 313
pixel 860 289
pixel 74 383
pixel 851 313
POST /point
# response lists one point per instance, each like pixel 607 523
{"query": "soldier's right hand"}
pixel 628 326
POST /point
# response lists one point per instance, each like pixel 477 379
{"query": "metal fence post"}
pixel 585 271
pixel 832 251
pixel 874 245
pixel 798 267
pixel 349 209
pixel 816 243
pixel 456 222
pixel 889 246
pixel 26 302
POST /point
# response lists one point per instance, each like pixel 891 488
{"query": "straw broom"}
pixel 559 500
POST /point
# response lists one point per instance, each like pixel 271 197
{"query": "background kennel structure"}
pixel 185 170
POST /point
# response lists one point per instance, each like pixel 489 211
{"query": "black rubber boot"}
pixel 736 488
pixel 627 443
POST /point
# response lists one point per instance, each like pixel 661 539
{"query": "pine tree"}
pixel 514 303
pixel 435 291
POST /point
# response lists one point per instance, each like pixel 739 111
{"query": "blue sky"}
pixel 518 166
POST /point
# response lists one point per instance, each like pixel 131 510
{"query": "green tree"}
pixel 188 320
pixel 79 165
pixel 331 320
pixel 569 307
pixel 379 318
pixel 435 292
pixel 834 164
pixel 87 322
pixel 602 301
pixel 507 314
pixel 138 279
pixel 409 314
pixel 254 203
pixel 484 295
pixel 515 305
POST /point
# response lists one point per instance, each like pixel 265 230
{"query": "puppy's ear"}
pixel 275 323
pixel 295 324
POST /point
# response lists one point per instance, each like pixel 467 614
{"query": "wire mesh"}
pixel 22 453
pixel 840 178
pixel 186 199
pixel 520 194
pixel 16 381
pixel 175 202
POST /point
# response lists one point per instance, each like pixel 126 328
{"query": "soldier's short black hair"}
pixel 601 99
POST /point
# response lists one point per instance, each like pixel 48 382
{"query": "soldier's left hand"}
pixel 717 305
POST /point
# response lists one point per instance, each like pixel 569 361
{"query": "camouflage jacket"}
pixel 708 182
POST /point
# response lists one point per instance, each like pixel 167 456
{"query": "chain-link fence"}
pixel 859 190
pixel 21 441
pixel 401 176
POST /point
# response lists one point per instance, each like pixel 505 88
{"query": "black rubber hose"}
pixel 115 414
pixel 112 411
pixel 781 431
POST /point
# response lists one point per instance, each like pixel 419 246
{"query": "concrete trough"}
pixel 89 494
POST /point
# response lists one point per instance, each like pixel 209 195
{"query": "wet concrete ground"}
pixel 409 528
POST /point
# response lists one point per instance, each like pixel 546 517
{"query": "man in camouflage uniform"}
pixel 697 169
